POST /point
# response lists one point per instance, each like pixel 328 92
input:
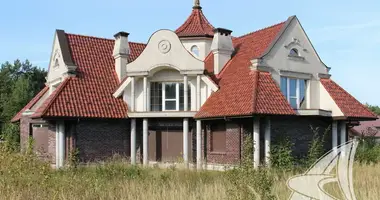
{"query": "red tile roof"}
pixel 349 106
pixel 244 91
pixel 196 25
pixel 30 104
pixel 89 94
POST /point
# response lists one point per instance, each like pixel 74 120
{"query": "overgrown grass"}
pixel 23 176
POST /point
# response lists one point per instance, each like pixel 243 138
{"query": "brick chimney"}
pixel 121 52
pixel 222 48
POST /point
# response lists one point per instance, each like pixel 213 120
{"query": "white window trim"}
pixel 297 97
pixel 164 99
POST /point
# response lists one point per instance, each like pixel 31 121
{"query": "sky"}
pixel 346 34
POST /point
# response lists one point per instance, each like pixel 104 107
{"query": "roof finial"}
pixel 197 4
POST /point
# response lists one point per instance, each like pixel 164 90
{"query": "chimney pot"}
pixel 222 48
pixel 121 52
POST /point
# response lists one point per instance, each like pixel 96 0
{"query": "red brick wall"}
pixel 100 139
pixel 26 130
pixel 233 141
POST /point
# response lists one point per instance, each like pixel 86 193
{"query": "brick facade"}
pixel 232 154
pixel 100 139
pixel 44 147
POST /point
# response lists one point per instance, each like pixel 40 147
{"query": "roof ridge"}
pixel 100 38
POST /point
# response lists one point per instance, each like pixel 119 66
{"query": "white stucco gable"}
pixel 61 63
pixel 164 49
pixel 278 55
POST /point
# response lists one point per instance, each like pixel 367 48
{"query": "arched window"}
pixel 195 50
pixel 294 53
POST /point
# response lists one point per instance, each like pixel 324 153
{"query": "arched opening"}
pixel 294 53
pixel 195 50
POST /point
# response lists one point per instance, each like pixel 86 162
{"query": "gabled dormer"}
pixel 196 33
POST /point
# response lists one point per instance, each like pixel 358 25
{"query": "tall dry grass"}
pixel 25 177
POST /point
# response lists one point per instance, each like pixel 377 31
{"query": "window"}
pixel 294 91
pixel 195 50
pixel 218 137
pixel 56 63
pixel 294 53
pixel 155 96
pixel 168 96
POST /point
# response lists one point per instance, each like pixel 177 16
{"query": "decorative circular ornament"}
pixel 164 46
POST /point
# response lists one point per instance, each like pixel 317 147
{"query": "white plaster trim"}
pixel 27 112
pixel 120 90
pixel 210 83
pixel 162 114
pixel 294 74
pixel 314 112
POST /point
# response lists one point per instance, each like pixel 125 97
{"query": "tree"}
pixel 374 109
pixel 19 83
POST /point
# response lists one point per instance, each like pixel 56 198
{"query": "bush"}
pixel 281 156
pixel 368 151
pixel 247 182
pixel 316 146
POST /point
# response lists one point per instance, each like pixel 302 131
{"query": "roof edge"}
pixel 53 97
pixel 65 49
pixel 279 34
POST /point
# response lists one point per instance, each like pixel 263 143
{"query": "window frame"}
pixel 164 99
pixel 215 129
pixel 288 95
pixel 192 50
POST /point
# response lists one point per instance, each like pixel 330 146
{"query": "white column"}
pixel 60 142
pixel 145 96
pixel 198 92
pixel 186 142
pixel 342 135
pixel 145 142
pixel 185 93
pixel 57 136
pixel 308 94
pixel 267 141
pixel 199 144
pixel 133 141
pixel 256 142
pixel 133 98
pixel 335 136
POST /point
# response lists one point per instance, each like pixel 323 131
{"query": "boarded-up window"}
pixel 218 137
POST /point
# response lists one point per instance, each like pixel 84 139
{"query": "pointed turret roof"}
pixel 196 24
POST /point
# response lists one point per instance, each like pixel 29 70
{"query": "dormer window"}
pixel 195 50
pixel 294 53
pixel 294 90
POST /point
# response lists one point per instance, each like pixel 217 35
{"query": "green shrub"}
pixel 316 146
pixel 368 151
pixel 281 156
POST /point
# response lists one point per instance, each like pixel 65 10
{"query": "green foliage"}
pixel 74 158
pixel 316 146
pixel 19 83
pixel 11 137
pixel 374 109
pixel 368 151
pixel 247 182
pixel 281 156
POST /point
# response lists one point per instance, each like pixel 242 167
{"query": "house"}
pixel 366 129
pixel 192 94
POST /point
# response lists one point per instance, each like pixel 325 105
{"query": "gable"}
pixel 60 59
pixel 164 49
pixel 279 59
